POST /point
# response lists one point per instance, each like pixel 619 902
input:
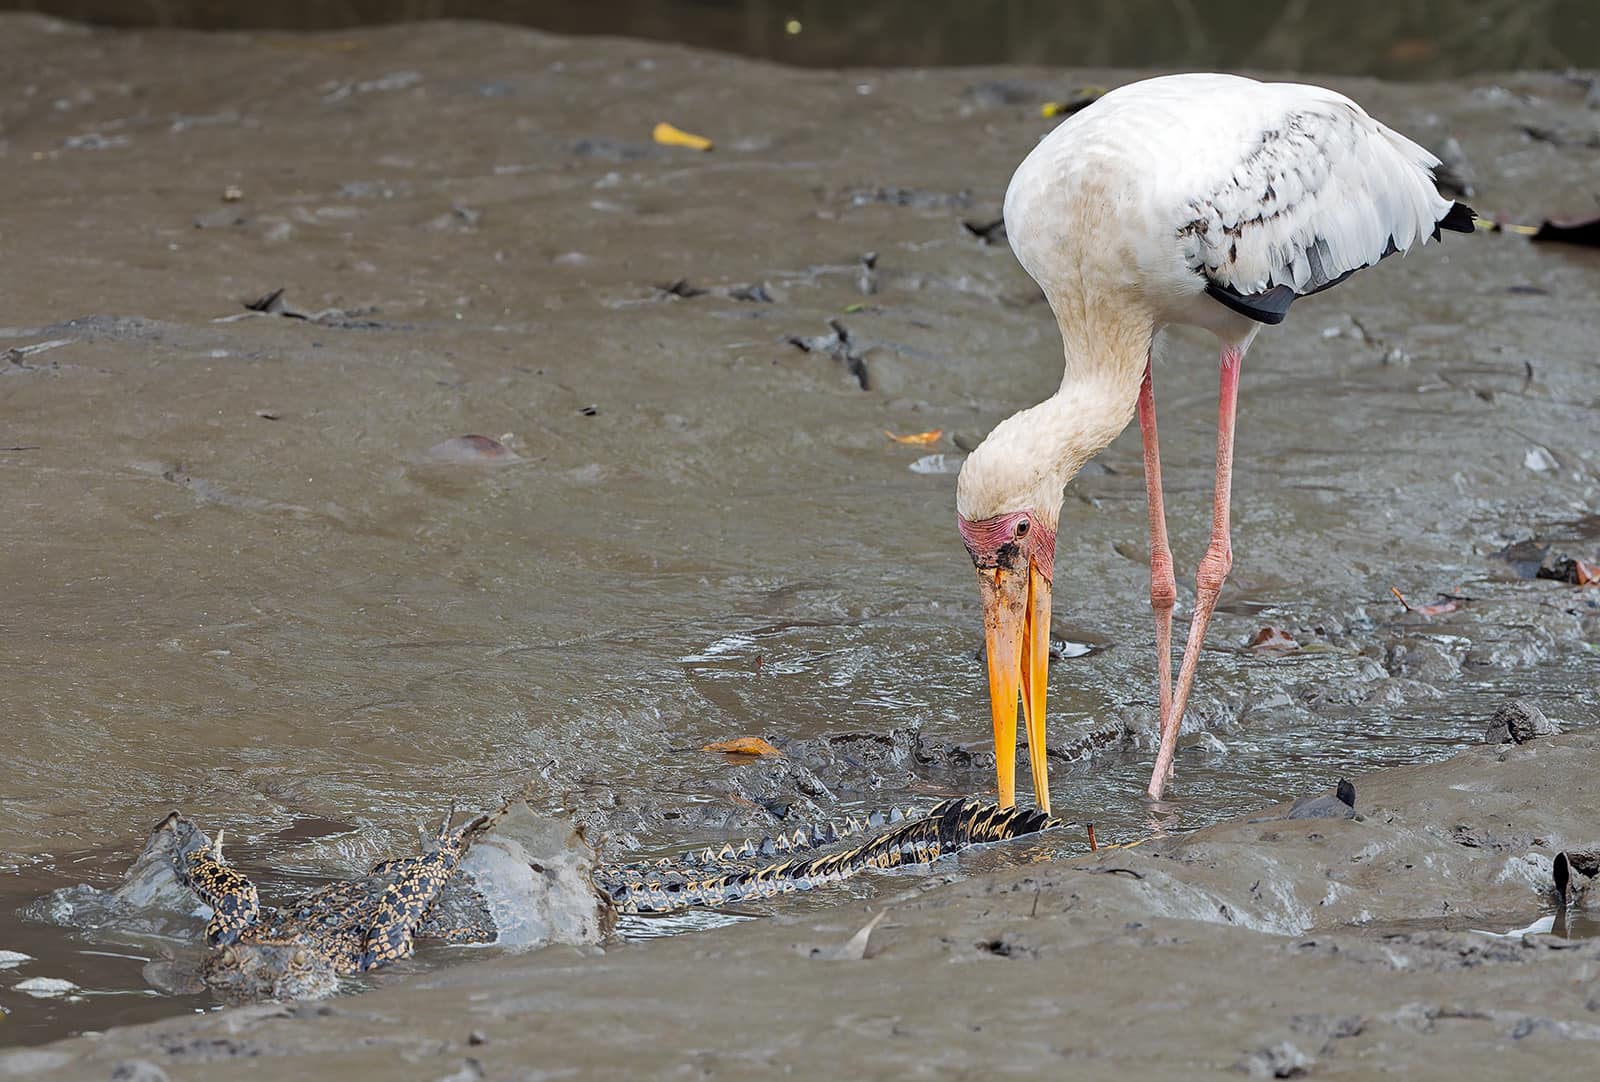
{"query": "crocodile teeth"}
pixel 896 815
pixel 875 819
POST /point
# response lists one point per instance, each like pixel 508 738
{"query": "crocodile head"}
pixel 257 969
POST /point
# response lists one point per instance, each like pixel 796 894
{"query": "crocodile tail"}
pixel 802 839
pixel 948 827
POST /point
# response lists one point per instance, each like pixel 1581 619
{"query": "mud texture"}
pixel 386 420
pixel 1335 947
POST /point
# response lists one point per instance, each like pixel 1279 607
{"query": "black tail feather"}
pixel 1458 219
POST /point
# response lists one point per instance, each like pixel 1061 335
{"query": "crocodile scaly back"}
pixel 948 827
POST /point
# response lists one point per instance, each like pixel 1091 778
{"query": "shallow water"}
pixel 238 584
pixel 1358 37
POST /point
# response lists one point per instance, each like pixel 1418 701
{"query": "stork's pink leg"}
pixel 1214 567
pixel 1163 588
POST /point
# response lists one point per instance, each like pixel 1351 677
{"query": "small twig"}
pixel 1093 845
pixel 856 949
pixel 1398 596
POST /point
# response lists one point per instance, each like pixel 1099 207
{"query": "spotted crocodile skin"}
pixel 337 930
pixel 948 827
pixel 344 928
pixel 235 908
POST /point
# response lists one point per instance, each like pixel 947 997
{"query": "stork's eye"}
pixel 1022 528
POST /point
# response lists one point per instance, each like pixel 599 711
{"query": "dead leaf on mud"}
pixel 669 136
pixel 469 450
pixel 1531 560
pixel 840 347
pixel 682 289
pixel 742 745
pixel 1499 224
pixel 1582 231
pixel 992 231
pixel 1081 97
pixel 919 439
pixel 1439 606
pixel 1273 640
pixel 274 304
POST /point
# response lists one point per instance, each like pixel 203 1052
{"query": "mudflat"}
pixel 253 569
pixel 1275 947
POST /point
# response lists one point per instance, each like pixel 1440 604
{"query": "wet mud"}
pixel 385 420
pixel 1421 935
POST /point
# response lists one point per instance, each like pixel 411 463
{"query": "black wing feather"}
pixel 1270 306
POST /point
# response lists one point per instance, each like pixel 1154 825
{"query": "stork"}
pixel 1212 201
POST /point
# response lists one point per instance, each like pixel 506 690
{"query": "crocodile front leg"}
pixel 407 899
pixel 235 906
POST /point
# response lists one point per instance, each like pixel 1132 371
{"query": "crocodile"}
pixel 735 875
pixel 303 949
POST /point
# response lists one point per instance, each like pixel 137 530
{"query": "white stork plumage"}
pixel 1208 200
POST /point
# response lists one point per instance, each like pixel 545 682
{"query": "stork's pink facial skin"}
pixel 1015 554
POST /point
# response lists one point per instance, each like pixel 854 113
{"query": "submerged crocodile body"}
pixel 300 951
pixel 344 928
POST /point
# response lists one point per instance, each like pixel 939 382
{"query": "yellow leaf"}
pixel 1084 95
pixel 921 439
pixel 743 745
pixel 667 135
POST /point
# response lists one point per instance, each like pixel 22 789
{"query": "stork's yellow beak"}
pixel 1016 635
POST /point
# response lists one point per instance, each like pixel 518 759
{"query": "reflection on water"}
pixel 1358 37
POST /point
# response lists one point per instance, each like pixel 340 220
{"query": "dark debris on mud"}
pixel 839 345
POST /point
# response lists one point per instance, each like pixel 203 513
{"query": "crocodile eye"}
pixel 1022 528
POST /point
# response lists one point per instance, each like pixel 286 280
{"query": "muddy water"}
pixel 238 581
pixel 1359 37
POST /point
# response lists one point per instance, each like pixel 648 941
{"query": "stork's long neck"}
pixel 1106 354
pixel 1030 456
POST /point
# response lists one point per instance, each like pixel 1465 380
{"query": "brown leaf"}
pixel 920 439
pixel 1273 640
pixel 743 745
